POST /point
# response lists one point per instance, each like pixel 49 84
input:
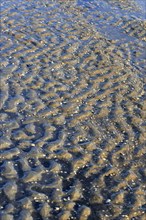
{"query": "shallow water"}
pixel 73 143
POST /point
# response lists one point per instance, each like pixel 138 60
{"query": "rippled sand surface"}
pixel 73 110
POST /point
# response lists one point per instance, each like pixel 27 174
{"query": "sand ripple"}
pixel 73 141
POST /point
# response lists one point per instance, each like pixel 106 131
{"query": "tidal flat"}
pixel 73 110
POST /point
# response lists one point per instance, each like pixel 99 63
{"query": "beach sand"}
pixel 73 110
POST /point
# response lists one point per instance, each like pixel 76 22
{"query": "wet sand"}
pixel 73 110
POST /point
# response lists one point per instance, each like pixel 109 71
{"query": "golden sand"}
pixel 73 140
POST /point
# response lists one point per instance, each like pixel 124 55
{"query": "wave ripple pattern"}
pixel 73 110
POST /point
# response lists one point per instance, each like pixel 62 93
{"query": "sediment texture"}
pixel 73 111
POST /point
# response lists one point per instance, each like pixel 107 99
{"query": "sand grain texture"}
pixel 73 110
